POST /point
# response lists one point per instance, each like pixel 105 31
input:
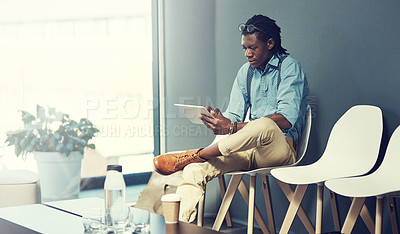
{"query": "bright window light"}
pixel 89 58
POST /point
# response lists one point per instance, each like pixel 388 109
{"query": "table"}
pixel 66 217
pixel 10 227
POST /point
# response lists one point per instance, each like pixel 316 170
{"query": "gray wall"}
pixel 349 50
pixel 189 68
pixel 190 74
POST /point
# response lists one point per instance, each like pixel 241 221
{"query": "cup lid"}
pixel 114 168
pixel 171 197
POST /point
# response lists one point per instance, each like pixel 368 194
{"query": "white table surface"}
pixel 77 206
pixel 43 219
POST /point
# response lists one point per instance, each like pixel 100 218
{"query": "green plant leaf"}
pixel 60 148
pixel 56 136
pixel 17 150
pixel 78 140
pixel 69 147
pixel 40 113
pixel 44 138
pixel 41 133
pixel 27 118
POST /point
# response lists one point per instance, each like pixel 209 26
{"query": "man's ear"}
pixel 270 43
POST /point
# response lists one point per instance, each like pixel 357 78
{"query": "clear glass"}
pixel 94 220
pixel 139 220
pixel 116 212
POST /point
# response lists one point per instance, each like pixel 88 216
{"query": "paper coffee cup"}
pixel 170 203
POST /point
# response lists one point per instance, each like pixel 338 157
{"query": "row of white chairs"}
pixel 351 152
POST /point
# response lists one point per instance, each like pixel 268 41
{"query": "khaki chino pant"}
pixel 260 143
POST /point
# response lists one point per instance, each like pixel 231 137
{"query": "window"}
pixel 89 58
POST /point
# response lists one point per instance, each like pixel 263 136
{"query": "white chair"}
pixel 236 183
pixel 18 187
pixel 383 182
pixel 352 149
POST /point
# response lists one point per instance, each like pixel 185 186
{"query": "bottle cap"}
pixel 114 168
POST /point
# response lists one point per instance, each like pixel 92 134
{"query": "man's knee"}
pixel 265 122
pixel 262 125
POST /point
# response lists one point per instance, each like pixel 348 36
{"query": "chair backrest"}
pixel 303 143
pixel 382 181
pixel 354 141
pixel 391 161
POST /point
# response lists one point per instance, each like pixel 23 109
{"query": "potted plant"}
pixel 58 144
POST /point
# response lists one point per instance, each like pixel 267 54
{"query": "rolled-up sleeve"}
pixel 238 104
pixel 291 90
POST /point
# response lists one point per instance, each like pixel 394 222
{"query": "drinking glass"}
pixel 93 221
pixel 139 220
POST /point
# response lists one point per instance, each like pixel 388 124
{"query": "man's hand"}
pixel 220 125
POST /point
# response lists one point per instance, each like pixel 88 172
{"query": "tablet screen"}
pixel 193 112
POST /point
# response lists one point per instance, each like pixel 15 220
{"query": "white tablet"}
pixel 193 112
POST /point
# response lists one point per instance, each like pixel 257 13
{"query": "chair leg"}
pixel 293 207
pixel 352 215
pixel 301 213
pixel 367 218
pixel 268 203
pixel 245 194
pixel 335 211
pixel 222 188
pixel 252 195
pixel 320 200
pixel 393 214
pixel 378 216
pixel 226 201
pixel 200 210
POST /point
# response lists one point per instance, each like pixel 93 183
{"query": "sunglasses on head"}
pixel 250 28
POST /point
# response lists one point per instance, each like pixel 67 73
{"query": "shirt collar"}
pixel 274 62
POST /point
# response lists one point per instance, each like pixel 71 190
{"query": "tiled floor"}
pixel 132 195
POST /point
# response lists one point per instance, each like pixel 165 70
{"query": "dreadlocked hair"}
pixel 268 29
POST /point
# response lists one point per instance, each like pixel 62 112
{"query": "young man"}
pixel 273 87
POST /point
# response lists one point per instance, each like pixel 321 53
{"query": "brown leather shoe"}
pixel 167 164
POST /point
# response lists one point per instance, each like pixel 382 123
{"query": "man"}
pixel 273 87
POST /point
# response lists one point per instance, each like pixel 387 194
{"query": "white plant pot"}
pixel 59 175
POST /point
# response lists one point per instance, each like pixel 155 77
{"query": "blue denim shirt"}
pixel 290 99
